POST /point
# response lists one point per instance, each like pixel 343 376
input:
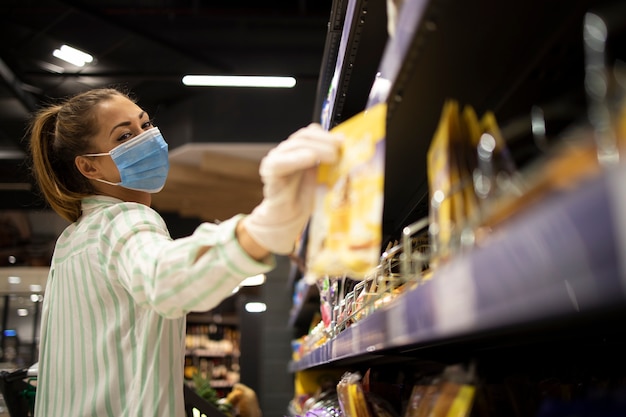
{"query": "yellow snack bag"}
pixel 443 176
pixel 346 226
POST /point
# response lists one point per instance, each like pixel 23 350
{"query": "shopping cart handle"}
pixel 14 375
pixel 33 370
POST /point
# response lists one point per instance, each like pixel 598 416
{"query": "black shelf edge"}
pixel 329 59
pixel 359 50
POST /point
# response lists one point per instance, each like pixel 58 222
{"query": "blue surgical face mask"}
pixel 141 161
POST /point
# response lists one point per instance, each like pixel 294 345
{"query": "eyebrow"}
pixel 127 123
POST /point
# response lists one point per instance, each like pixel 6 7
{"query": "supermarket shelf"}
pixel 221 383
pixel 558 261
pixel 302 313
pixel 455 50
pixel 359 45
pixel 208 353
pixel 329 60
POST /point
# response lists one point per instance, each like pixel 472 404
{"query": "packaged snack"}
pixel 346 226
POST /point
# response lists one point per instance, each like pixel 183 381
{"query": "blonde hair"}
pixel 59 133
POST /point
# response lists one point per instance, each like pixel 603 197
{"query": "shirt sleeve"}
pixel 167 275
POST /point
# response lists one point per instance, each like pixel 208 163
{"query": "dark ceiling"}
pixel 146 46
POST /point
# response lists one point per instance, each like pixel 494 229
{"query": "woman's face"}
pixel 119 120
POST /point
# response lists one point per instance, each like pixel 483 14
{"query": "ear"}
pixel 87 167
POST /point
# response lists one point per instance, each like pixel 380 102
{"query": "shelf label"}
pixel 356 338
pixel 454 297
pixel 397 322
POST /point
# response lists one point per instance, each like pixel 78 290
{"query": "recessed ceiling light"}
pixel 22 312
pixel 14 280
pixel 255 307
pixel 238 81
pixel 72 55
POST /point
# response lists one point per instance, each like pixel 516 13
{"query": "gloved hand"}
pixel 289 173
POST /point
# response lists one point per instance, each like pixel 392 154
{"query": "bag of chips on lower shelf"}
pixel 449 395
pixel 351 396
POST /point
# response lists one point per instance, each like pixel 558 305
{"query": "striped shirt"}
pixel 113 318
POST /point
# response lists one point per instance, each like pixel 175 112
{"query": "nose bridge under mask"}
pixel 128 146
pixel 124 156
pixel 132 147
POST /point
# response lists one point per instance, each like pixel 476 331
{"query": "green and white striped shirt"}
pixel 113 317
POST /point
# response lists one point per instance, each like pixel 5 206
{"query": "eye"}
pixel 147 125
pixel 125 136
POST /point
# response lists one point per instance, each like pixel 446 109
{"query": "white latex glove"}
pixel 289 175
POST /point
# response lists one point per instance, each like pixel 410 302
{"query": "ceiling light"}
pixel 14 280
pixel 52 68
pixel 35 288
pixel 72 55
pixel 22 312
pixel 255 307
pixel 238 81
pixel 253 281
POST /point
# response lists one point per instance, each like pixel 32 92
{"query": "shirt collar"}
pixel 94 202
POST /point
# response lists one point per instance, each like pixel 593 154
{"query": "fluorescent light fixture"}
pixel 72 55
pixel 22 312
pixel 52 68
pixel 238 81
pixel 14 280
pixel 35 288
pixel 255 307
pixel 253 281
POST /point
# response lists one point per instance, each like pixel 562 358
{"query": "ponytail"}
pixel 58 134
pixel 63 202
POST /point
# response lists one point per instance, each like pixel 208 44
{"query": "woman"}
pixel 113 321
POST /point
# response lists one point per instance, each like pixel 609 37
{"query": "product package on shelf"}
pixel 572 158
pixel 352 397
pixel 448 395
pixel 315 393
pixel 464 159
pixel 345 229
pixel 357 400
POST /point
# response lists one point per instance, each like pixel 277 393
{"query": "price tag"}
pixel 397 322
pixel 454 297
pixel 356 339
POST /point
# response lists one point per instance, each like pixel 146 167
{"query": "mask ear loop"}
pixel 99 179
pixel 97 154
pixel 106 182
